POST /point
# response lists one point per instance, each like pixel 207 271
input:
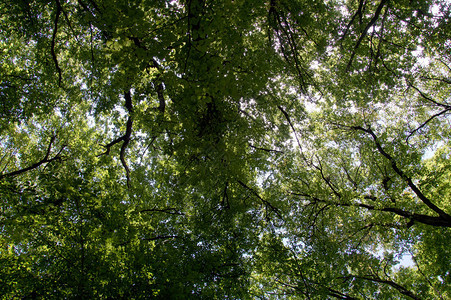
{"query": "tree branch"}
pixel 287 117
pixel 225 197
pixel 357 13
pixel 125 139
pixel 52 48
pixel 171 211
pixel 412 217
pixel 327 179
pixel 267 204
pixel 159 86
pixel 391 283
pixel 365 31
pixel 159 237
pixel 427 121
pixel 339 295
pixel 404 176
pixel 44 160
pixel 162 105
pixel 426 97
pixel 424 275
pixel 265 149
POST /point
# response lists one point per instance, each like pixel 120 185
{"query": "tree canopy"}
pixel 277 149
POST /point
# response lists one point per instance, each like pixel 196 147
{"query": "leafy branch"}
pixel 447 109
pixel 403 175
pixel 339 295
pixel 55 31
pixel 415 260
pixel 288 42
pixel 357 13
pixel 171 211
pixel 155 238
pixel 365 31
pixel 413 217
pixel 265 149
pixel 158 83
pixel 428 98
pixel 427 121
pixel 267 203
pixel 45 159
pixel 375 278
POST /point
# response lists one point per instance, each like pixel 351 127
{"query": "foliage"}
pixel 225 149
